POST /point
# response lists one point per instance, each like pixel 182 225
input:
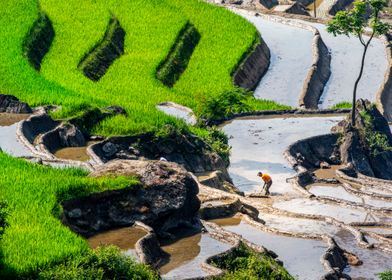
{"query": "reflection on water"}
pixel 181 250
pixel 124 238
pixel 188 253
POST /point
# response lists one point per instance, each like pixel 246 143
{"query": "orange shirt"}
pixel 266 178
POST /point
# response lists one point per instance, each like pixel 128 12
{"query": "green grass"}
pixel 35 236
pixel 151 29
pixel 387 275
pixel 342 105
pixel 245 263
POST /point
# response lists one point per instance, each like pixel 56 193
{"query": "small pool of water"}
pixel 334 191
pixel 124 238
pixel 346 215
pixel 297 225
pixel 7 119
pixel 374 261
pixel 187 254
pixel 301 257
pixel 74 153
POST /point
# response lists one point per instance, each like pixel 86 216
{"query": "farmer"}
pixel 267 182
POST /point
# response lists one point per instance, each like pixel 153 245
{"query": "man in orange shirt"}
pixel 267 181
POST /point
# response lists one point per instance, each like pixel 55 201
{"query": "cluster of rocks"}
pixel 188 150
pixel 11 104
pixel 166 199
pixel 367 146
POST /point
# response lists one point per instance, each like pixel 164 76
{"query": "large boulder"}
pixel 368 145
pixel 186 149
pixel 11 104
pixel 167 198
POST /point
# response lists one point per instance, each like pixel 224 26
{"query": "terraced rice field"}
pixel 151 29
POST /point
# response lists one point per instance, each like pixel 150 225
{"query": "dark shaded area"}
pixel 38 40
pixel 96 62
pixel 11 104
pixel 170 70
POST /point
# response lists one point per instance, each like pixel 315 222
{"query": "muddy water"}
pixel 373 260
pixel 7 119
pixel 74 153
pixel 9 142
pixel 124 238
pixel 311 7
pixel 188 253
pixel 301 257
pixel 327 173
pixel 259 144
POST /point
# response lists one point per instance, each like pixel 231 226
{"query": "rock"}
pixel 11 104
pixel 368 145
pixel 109 149
pixel 324 165
pixel 116 110
pixel 70 136
pixel 166 199
pixel 188 150
pixel 75 213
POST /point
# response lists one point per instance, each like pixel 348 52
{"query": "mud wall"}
pixel 170 70
pixel 384 94
pixel 95 63
pixel 38 40
pixel 338 5
pixel 311 151
pixel 253 67
pixel 36 125
pixel 318 74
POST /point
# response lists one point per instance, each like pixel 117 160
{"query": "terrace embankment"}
pixel 38 40
pixel 185 149
pixel 98 60
pixel 175 63
pixel 384 94
pixel 166 199
pixel 318 74
pixel 253 66
pixel 367 146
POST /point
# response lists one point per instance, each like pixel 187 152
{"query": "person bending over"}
pixel 267 182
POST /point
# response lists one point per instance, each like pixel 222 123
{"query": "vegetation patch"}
pixel 105 263
pixel 377 142
pixel 387 275
pixel 35 238
pixel 342 105
pixel 228 103
pixel 38 40
pixel 245 263
pixel 95 64
pixel 170 70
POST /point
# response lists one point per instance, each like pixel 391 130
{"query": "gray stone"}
pixel 11 104
pixel 166 199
